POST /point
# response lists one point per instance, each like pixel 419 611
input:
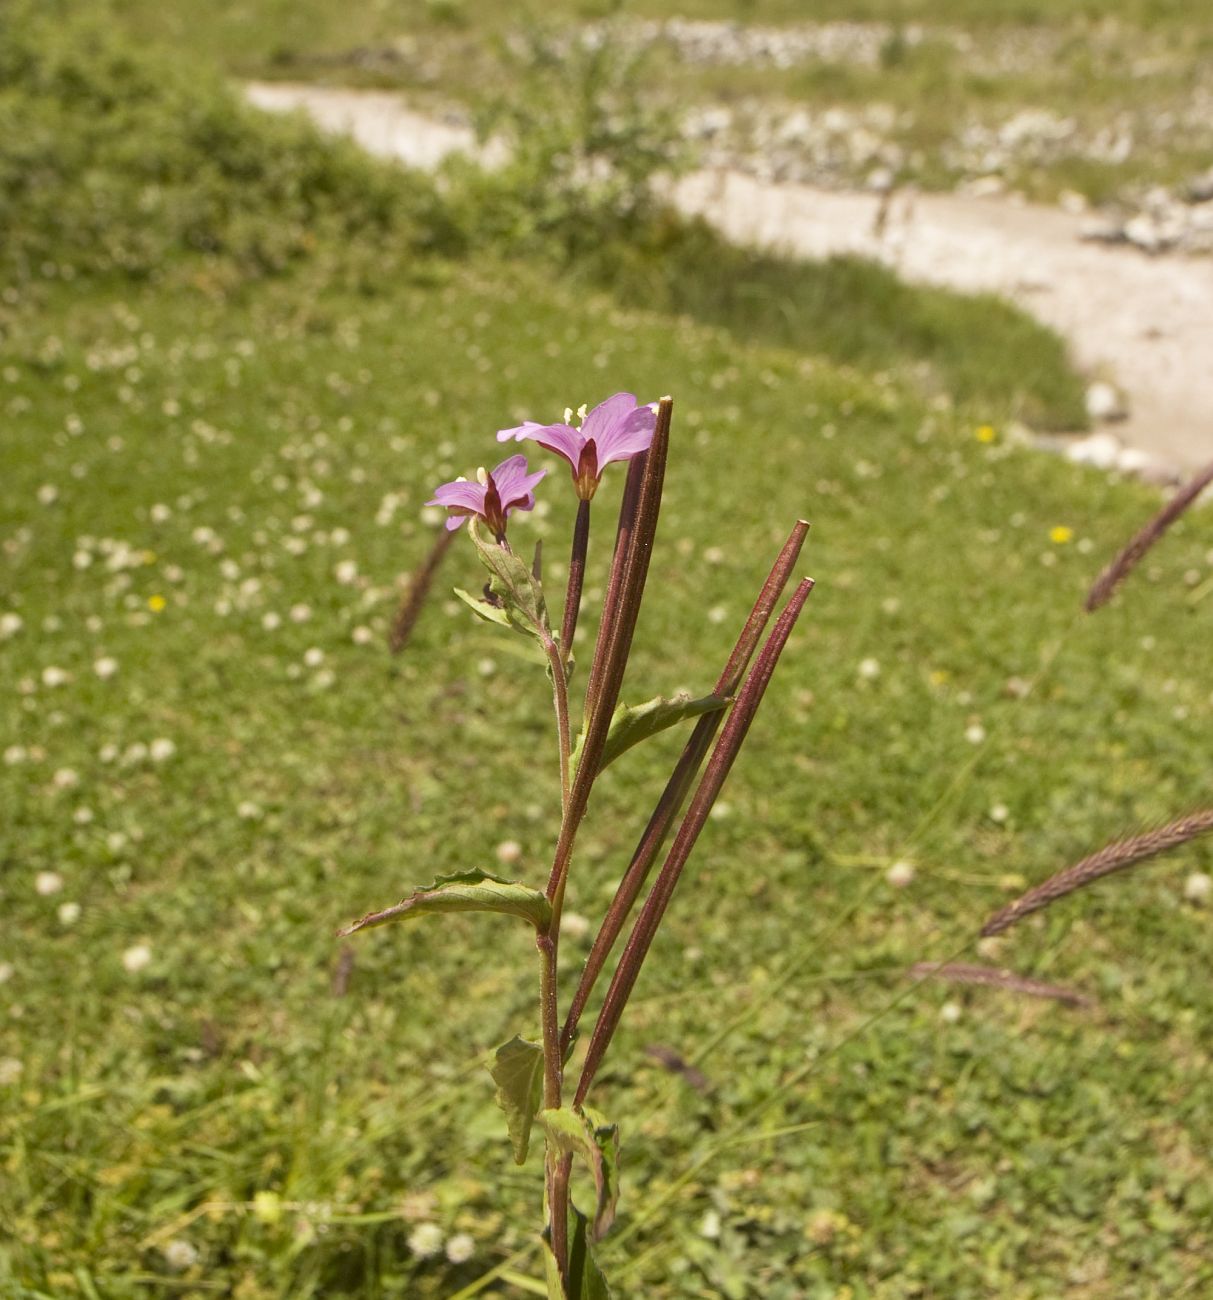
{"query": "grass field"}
pixel 212 485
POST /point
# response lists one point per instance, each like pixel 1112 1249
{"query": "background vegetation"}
pixel 224 404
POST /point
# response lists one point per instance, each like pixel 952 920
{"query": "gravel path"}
pixel 1144 323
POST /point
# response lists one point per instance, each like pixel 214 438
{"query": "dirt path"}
pixel 1145 323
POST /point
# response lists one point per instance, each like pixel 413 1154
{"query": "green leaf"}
pixel 517 588
pixel 630 725
pixel 586 1134
pixel 465 891
pixel 517 1070
pixel 586 1280
pixel 482 609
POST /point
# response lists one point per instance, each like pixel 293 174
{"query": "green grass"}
pixel 213 476
pixel 1023 1150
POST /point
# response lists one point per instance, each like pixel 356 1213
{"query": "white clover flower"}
pixel 161 749
pixel 248 811
pixel 461 1248
pixel 48 494
pixel 300 613
pixel 322 680
pixel 900 874
pixel 53 676
pixel 136 958
pixel 82 816
pixel 179 1255
pixel 108 752
pixel 10 625
pixel 999 813
pixel 6 971
pixel 509 851
pixel 15 754
pixel 65 779
pixel 271 621
pixel 135 752
pixel 574 925
pixel 10 1070
pixel 81 560
pixel 313 657
pixel 425 1241
pixel 362 636
pixel 950 1013
pixel 975 733
pixel 869 669
pixel 48 882
pixel 159 513
pixel 1198 887
pixel 346 572
pixel 69 913
pixel 105 667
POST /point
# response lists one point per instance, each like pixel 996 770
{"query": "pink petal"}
pixel 628 438
pixel 563 439
pixel 468 495
pixel 606 415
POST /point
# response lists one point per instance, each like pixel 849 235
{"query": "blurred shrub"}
pixel 113 158
pixel 587 142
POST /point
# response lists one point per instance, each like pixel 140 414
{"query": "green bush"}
pixel 112 158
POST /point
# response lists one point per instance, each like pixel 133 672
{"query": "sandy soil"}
pixel 1145 323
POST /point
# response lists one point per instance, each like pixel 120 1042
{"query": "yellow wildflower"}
pixel 1060 534
pixel 156 603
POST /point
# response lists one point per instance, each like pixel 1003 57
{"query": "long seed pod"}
pixel 959 972
pixel 616 631
pixel 1128 559
pixel 1113 857
pixel 723 756
pixel 693 753
pixel 419 588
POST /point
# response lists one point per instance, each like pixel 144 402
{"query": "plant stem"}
pixel 633 545
pixel 560 701
pixel 672 796
pixel 419 587
pixel 723 756
pixel 572 598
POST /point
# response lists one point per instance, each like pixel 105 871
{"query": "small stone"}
pixel 1105 402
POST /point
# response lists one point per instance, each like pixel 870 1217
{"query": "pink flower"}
pixel 616 429
pixel 508 487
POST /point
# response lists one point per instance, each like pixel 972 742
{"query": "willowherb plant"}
pixel 532 1088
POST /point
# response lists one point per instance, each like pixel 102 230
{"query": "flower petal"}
pixel 563 439
pixel 628 438
pixel 606 415
pixel 466 494
pixel 514 484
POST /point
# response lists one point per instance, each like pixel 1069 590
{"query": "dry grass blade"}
pixel 959 972
pixel 1127 560
pixel 419 588
pixel 1114 857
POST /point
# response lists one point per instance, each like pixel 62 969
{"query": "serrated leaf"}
pixel 482 609
pixel 632 724
pixel 517 1070
pixel 518 589
pixel 586 1279
pixel 465 891
pixel 586 1134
